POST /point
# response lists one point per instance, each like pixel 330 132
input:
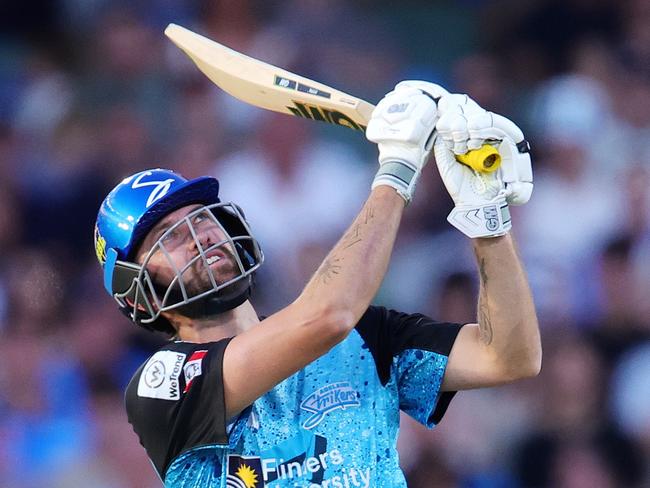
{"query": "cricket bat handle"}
pixel 485 160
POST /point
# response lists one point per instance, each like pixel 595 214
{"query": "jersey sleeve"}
pixel 175 401
pixel 411 349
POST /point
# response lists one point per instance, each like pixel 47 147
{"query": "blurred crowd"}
pixel 91 91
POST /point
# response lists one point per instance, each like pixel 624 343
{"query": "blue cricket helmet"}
pixel 125 218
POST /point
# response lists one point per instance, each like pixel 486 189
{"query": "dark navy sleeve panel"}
pixel 388 333
pixel 175 401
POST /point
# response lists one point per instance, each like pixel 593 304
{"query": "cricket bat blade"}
pixel 267 86
pixel 272 88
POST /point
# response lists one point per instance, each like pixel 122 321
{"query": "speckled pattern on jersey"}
pixel 333 424
pixel 353 423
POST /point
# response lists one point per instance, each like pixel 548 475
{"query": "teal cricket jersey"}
pixel 333 424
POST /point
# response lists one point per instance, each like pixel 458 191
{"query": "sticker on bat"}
pixel 315 112
pixel 285 82
pixel 312 91
pixel 301 87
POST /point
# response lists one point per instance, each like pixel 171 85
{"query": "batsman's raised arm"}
pixel 343 286
pixel 505 344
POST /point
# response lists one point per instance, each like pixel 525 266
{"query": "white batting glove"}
pixel 402 125
pixel 436 91
pixel 481 198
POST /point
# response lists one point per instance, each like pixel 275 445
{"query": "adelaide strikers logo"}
pixel 244 472
pixel 327 399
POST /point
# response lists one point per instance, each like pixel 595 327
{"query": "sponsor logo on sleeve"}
pixel 192 368
pixel 160 377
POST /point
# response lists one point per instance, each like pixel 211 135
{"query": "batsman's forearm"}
pixel 506 312
pixel 352 272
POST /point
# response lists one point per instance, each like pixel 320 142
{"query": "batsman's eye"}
pixel 203 220
pixel 202 217
pixel 172 236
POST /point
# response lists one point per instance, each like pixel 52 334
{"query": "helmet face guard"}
pixel 216 278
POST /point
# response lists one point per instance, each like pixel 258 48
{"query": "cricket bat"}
pixel 267 86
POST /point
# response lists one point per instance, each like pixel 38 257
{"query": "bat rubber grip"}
pixel 486 159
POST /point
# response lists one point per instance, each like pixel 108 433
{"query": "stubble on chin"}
pixel 200 282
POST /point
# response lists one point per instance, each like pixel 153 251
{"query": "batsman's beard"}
pixel 223 271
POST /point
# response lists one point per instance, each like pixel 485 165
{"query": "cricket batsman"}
pixel 311 395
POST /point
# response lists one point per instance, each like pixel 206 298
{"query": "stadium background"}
pixel 90 91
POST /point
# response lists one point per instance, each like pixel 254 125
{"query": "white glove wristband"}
pixel 399 175
pixel 491 219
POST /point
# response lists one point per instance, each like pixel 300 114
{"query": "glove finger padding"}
pixel 490 126
pixel 434 90
pixel 516 170
pixel 453 126
pixel 455 102
pixel 455 112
